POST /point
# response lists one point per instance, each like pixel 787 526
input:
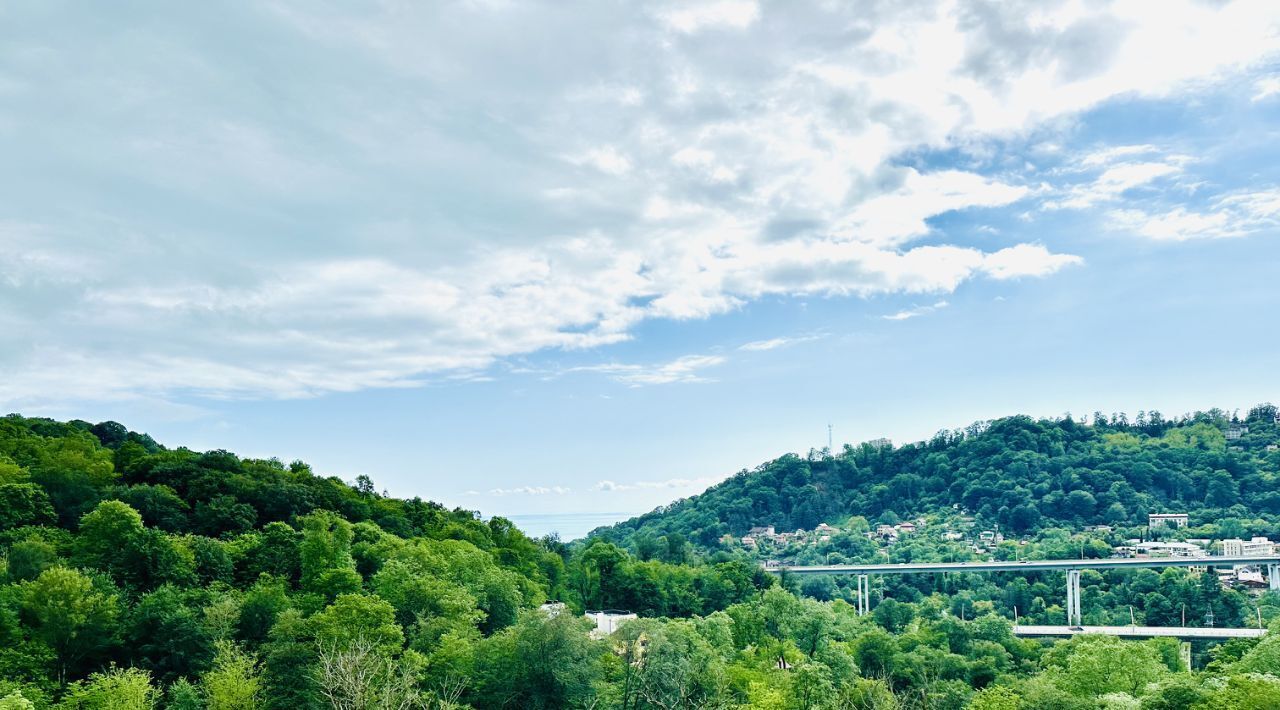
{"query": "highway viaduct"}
pixel 1071 567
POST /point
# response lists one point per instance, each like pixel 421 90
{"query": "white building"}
pixel 1169 549
pixel 1167 520
pixel 1257 547
pixel 1236 432
pixel 607 621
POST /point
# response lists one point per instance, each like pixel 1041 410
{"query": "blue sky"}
pixel 590 257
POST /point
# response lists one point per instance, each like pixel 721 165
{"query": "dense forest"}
pixel 1017 474
pixel 135 576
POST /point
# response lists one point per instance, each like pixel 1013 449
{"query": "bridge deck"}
pixel 1182 632
pixel 1029 565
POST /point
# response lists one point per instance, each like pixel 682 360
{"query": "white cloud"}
pixel 1267 88
pixel 1109 155
pixel 1119 174
pixel 414 190
pixel 916 311
pixel 1026 260
pixel 897 216
pixel 1234 215
pixel 670 483
pixel 775 343
pixel 606 159
pixel 530 491
pixel 691 17
pixel 682 369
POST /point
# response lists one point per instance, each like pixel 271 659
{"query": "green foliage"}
pixel 356 617
pixel 1018 474
pixel 28 558
pixel 1090 666
pixel 233 683
pixel 24 504
pixel 538 664
pixel 64 610
pixel 139 576
pixel 995 698
pixel 114 689
pixel 327 566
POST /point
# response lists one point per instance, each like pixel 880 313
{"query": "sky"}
pixel 537 258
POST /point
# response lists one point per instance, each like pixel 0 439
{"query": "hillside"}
pixel 1016 474
pixel 140 577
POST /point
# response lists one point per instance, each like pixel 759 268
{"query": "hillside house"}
pixel 607 621
pixel 1257 547
pixel 1167 520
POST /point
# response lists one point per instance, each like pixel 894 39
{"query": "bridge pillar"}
pixel 1073 598
pixel 1273 577
pixel 864 594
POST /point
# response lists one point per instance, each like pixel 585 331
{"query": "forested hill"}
pixel 1018 473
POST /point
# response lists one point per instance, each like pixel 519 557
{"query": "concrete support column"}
pixel 1273 577
pixel 864 594
pixel 1074 617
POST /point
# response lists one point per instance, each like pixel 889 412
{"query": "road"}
pixel 1029 565
pixel 1145 632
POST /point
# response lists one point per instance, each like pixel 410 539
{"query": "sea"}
pixel 570 526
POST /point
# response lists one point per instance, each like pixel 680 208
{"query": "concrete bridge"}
pixel 1071 567
pixel 1185 633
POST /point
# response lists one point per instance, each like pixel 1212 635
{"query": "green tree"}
pixel 327 566
pixel 16 701
pixel 65 611
pixel 114 689
pixel 538 664
pixel 1097 665
pixel 356 617
pixel 28 558
pixel 233 683
pixel 183 695
pixel 24 504
pixel 996 697
pixel 165 636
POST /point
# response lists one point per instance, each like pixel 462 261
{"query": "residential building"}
pixel 552 609
pixel 881 443
pixel 607 621
pixel 767 531
pixel 1167 520
pixel 748 541
pixel 1236 432
pixel 1169 549
pixel 1257 547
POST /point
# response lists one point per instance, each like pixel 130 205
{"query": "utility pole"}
pixel 829 444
